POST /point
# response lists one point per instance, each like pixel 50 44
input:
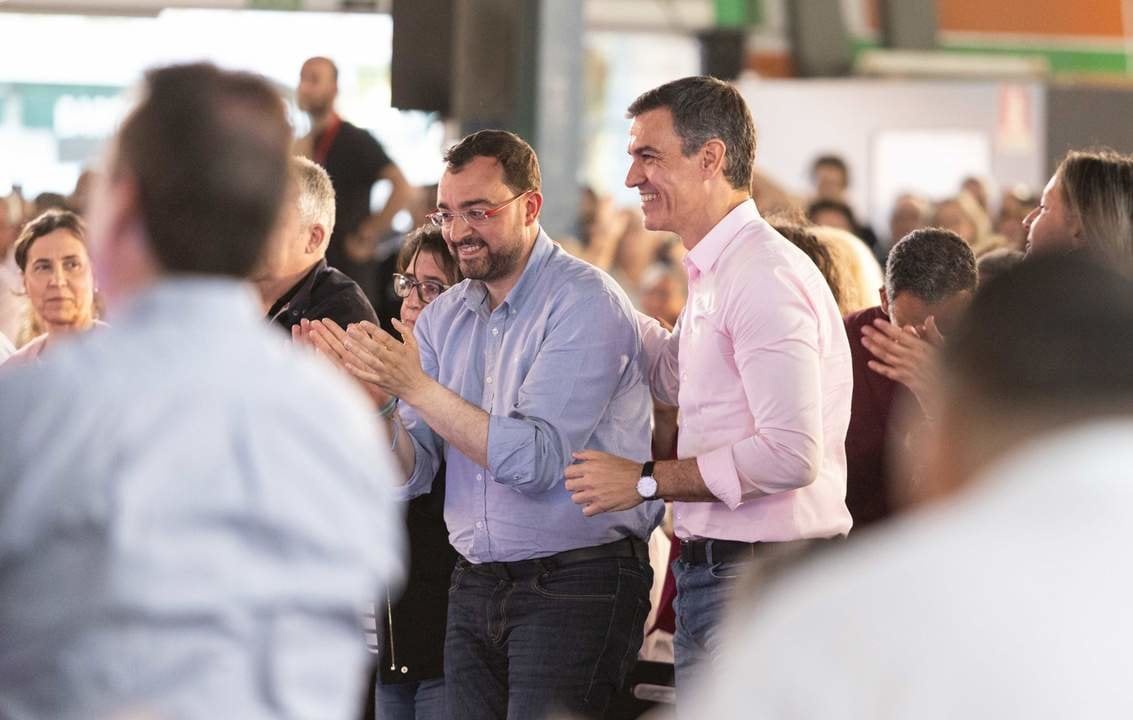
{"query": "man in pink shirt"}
pixel 759 365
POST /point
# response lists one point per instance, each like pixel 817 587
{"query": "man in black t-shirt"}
pixel 293 277
pixel 355 161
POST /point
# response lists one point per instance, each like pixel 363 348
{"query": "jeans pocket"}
pixel 457 573
pixel 725 570
pixel 587 581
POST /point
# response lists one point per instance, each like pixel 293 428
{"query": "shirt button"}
pixel 489 380
pixel 404 669
pixel 480 524
pixel 495 331
pixel 479 477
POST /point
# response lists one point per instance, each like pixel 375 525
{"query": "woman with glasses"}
pixel 410 676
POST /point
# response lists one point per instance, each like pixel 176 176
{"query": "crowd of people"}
pixel 246 429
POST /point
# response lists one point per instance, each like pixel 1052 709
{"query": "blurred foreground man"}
pixel 178 537
pixel 1011 599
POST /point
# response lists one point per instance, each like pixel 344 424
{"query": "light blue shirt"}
pixel 192 514
pixel 556 365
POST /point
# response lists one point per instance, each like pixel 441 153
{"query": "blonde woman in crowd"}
pixel 1087 206
pixel 858 271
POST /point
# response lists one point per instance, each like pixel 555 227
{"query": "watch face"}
pixel 647 487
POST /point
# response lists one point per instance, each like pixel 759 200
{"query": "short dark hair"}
pixel 814 248
pixel 834 161
pixel 330 63
pixel 994 263
pixel 931 263
pixel 428 238
pixel 705 108
pixel 45 224
pixel 824 204
pixel 209 150
pixel 1052 333
pixel 515 156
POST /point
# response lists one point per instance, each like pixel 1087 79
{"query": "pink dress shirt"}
pixel 760 367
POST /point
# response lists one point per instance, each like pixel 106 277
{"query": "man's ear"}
pixel 884 299
pixel 713 157
pixel 532 205
pixel 316 238
pixel 121 215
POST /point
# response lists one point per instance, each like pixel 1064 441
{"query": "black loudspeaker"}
pixel 722 52
pixel 422 58
pixel 908 24
pixel 820 43
pixel 486 72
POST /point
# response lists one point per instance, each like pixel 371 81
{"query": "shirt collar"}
pixel 476 293
pixel 704 255
pixel 299 296
pixel 223 299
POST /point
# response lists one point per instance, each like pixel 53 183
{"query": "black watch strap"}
pixel 647 469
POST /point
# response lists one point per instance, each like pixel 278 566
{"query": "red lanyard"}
pixel 327 139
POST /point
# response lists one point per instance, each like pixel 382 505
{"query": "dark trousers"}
pixel 560 640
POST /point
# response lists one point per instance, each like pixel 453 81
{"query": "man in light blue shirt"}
pixel 533 358
pixel 192 512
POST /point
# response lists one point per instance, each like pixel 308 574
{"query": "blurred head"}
pixel 318 86
pixel 1014 208
pixel 306 221
pixel 8 228
pixel 1088 203
pixel 663 293
pixel 830 177
pixel 832 213
pixel 425 269
pixel 194 179
pixel 909 213
pixel 858 272
pixel 1025 361
pixel 819 253
pixel 977 189
pixel 489 200
pixel 52 256
pixel 996 262
pixel 956 215
pixel 691 140
pixel 930 272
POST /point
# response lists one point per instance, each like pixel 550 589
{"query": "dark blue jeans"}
pixel 703 596
pixel 560 641
pixel 422 700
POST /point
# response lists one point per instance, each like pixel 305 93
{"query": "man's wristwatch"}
pixel 647 486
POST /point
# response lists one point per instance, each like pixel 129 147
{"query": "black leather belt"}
pixel 707 552
pixel 630 548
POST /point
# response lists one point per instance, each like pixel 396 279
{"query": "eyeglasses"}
pixel 427 290
pixel 475 216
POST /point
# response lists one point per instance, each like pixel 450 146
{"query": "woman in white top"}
pixel 52 256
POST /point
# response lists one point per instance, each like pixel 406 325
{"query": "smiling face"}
pixel 671 185
pixel 58 280
pixel 424 267
pixel 1052 227
pixel 494 249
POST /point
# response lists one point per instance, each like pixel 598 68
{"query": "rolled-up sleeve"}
pixel 579 367
pixel 777 356
pixel 428 447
